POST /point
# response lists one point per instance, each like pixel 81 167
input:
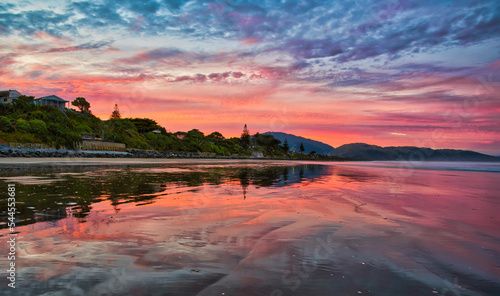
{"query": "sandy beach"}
pixel 205 227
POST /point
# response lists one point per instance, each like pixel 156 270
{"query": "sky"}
pixel 389 73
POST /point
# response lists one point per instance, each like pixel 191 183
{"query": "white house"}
pixel 8 96
pixel 51 100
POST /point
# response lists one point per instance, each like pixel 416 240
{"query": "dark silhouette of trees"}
pixel 285 146
pixel 82 104
pixel 116 112
pixel 245 137
pixel 216 135
pixel 301 148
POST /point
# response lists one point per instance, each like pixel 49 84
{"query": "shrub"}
pixel 36 115
pixel 22 126
pixel 38 128
pixel 83 129
pixel 63 136
pixel 121 124
pixel 159 142
pixel 5 125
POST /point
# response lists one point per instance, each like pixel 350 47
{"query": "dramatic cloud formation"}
pixel 385 72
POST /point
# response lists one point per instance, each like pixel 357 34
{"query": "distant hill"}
pixel 373 152
pixel 309 145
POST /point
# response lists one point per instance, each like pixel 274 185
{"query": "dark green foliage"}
pixel 161 142
pixel 124 131
pixel 27 99
pixel 266 140
pixel 84 123
pixel 6 109
pixel 62 136
pixel 119 124
pixel 23 104
pixel 195 134
pixel 83 129
pixel 22 126
pixel 268 145
pixel 302 147
pixel 145 125
pixel 5 125
pixel 39 128
pixel 36 115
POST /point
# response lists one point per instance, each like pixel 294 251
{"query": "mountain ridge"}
pixel 373 152
pixel 363 151
pixel 309 144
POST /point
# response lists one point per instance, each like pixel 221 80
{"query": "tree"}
pixel 22 126
pixel 266 140
pixel 145 125
pixel 245 136
pixel 216 135
pixel 38 128
pixel 24 104
pixel 245 133
pixel 82 104
pixel 301 147
pixel 116 112
pixel 195 134
pixel 27 99
pixel 285 146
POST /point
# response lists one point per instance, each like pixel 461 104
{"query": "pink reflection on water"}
pixel 417 227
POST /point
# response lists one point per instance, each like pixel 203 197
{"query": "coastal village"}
pixel 11 95
pixel 88 142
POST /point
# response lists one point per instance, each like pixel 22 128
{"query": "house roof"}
pixel 51 98
pixel 9 91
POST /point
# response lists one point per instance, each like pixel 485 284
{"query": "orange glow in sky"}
pixel 400 79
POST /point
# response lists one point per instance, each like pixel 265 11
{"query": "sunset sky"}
pixel 389 73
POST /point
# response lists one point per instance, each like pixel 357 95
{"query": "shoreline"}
pixel 15 165
pixel 20 165
pixel 92 161
pixel 27 153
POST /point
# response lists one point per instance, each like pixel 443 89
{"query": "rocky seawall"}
pixel 130 153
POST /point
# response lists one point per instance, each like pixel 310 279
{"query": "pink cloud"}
pixel 51 39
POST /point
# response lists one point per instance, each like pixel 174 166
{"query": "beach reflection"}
pixel 257 229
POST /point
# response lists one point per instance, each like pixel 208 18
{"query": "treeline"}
pixel 24 122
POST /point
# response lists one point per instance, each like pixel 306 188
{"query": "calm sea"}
pixel 253 228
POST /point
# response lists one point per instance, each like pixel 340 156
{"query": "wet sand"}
pixel 255 228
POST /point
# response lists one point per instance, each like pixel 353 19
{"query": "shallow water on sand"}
pixel 263 228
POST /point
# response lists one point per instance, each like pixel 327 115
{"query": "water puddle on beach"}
pixel 263 228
